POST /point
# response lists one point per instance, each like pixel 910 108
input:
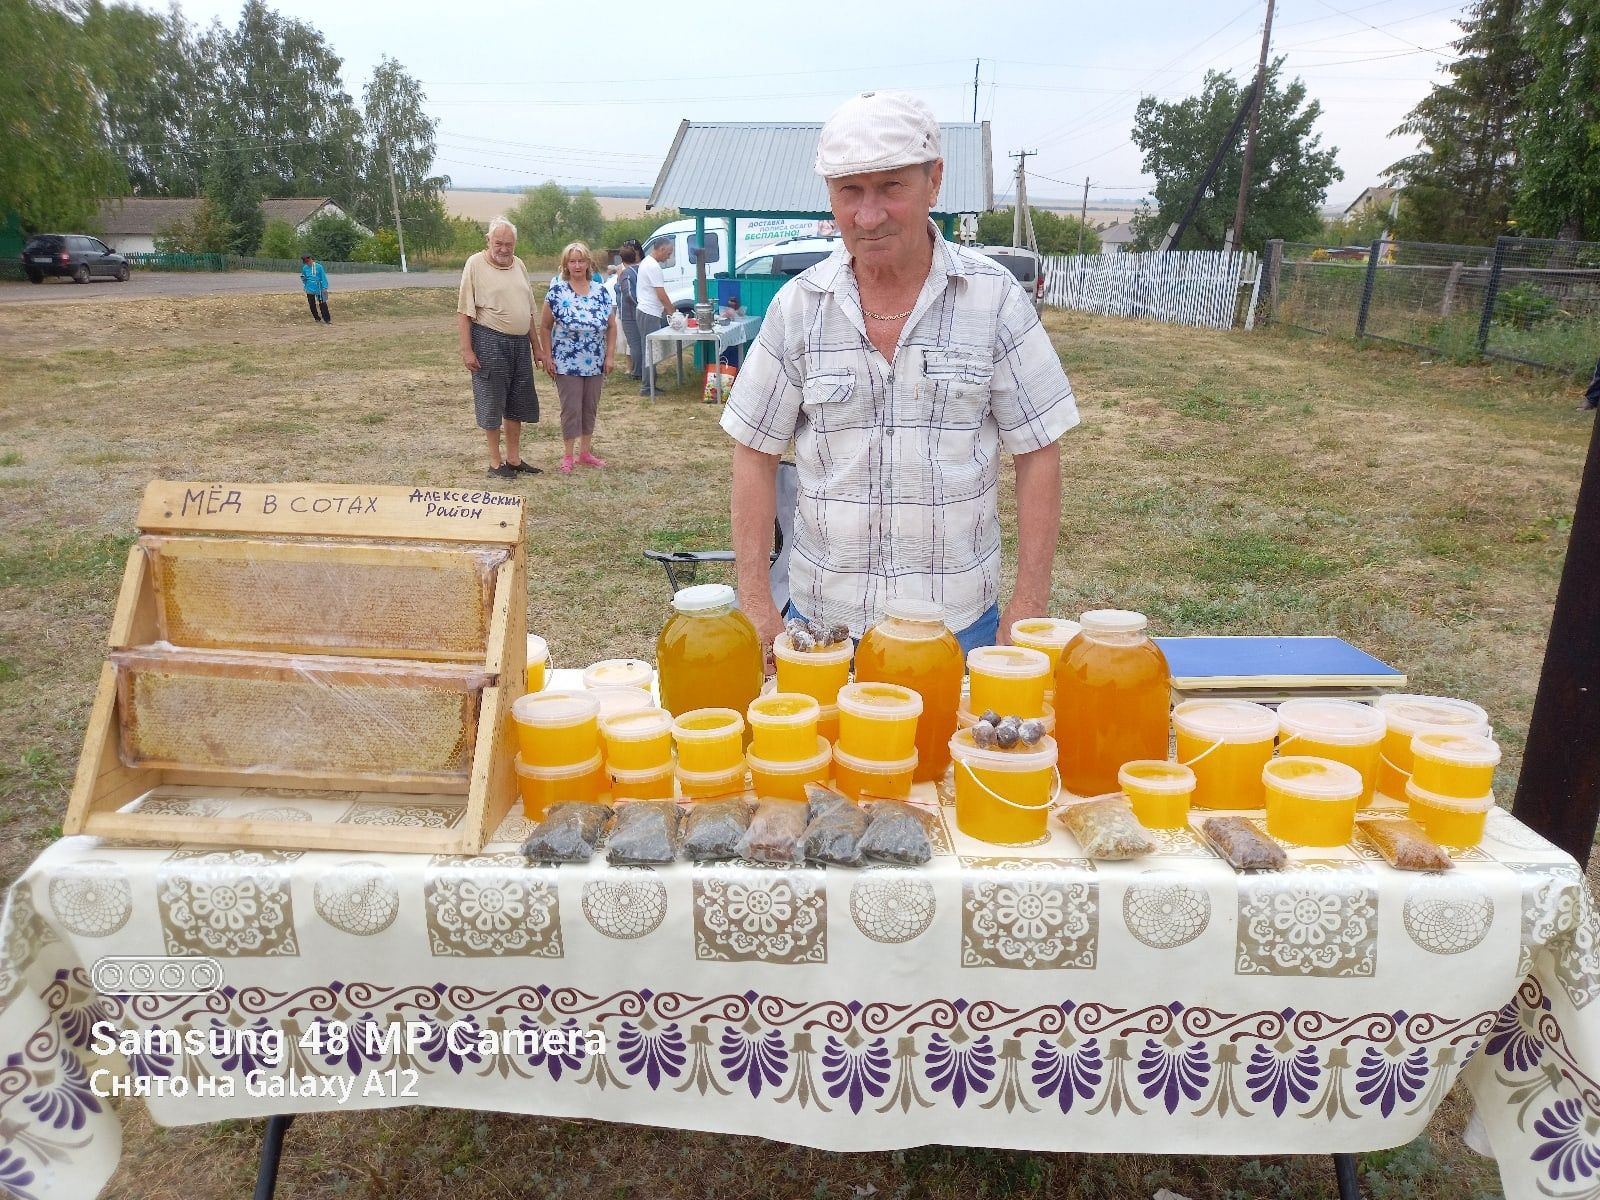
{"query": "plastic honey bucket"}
pixel 640 740
pixel 1342 730
pixel 709 740
pixel 543 786
pixel 1449 820
pixel 1159 791
pixel 557 729
pixel 1225 743
pixel 538 662
pixel 1409 715
pixel 620 672
pixel 654 783
pixel 1311 801
pixel 787 780
pixel 1454 764
pixel 1009 679
pixel 858 778
pixel 783 726
pixel 1004 796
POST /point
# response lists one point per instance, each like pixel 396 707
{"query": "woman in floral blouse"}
pixel 580 328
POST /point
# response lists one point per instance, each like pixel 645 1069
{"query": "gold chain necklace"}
pixel 887 316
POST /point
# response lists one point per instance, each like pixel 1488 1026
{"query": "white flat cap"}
pixel 877 131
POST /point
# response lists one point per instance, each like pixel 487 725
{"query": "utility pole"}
pixel 1083 214
pixel 975 64
pixel 1021 207
pixel 394 195
pixel 1255 121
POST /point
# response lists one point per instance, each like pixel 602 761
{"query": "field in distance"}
pixel 480 206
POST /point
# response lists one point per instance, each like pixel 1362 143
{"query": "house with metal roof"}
pixel 766 169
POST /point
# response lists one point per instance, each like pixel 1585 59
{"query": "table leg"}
pixel 271 1152
pixel 680 366
pixel 1344 1169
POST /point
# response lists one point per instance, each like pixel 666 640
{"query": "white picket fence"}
pixel 1182 287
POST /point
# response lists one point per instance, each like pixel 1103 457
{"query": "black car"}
pixel 73 254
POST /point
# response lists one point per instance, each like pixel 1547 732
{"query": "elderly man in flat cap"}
pixel 899 367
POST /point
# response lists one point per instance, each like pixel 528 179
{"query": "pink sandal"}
pixel 589 460
pixel 566 464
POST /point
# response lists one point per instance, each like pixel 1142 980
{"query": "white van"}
pixel 754 234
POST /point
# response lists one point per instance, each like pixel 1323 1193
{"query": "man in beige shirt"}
pixel 499 346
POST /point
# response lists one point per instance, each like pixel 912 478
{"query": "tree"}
pixel 280 97
pixel 280 240
pixel 148 75
pixel 206 232
pixel 381 247
pixel 54 166
pixel 1558 180
pixel 331 237
pixel 1057 233
pixel 1288 181
pixel 1457 187
pixel 1361 228
pixel 235 195
pixel 547 218
pixel 395 122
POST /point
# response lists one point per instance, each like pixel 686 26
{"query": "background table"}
pixel 734 333
pixel 1011 997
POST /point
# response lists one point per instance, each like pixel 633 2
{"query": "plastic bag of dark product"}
pixel 834 834
pixel 569 832
pixel 1242 845
pixel 1404 844
pixel 777 833
pixel 898 833
pixel 644 831
pixel 712 829
pixel 821 798
pixel 1106 828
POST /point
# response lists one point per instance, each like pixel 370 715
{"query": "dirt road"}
pixel 146 284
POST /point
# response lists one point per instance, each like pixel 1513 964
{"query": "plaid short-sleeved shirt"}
pixel 899 463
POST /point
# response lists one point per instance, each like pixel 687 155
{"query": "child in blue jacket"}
pixel 315 281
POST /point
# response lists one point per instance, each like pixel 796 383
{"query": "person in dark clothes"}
pixel 315 280
pixel 1591 398
pixel 628 305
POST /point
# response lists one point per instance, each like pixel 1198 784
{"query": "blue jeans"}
pixel 982 632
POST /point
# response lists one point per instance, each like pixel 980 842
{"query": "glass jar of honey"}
pixel 1113 697
pixel 708 654
pixel 913 647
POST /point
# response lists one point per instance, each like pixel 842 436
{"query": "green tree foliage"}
pixel 381 247
pixel 619 229
pixel 1558 181
pixel 234 192
pixel 1458 184
pixel 279 95
pixel 395 121
pixel 1361 228
pixel 1057 233
pixel 467 236
pixel 206 232
pixel 332 237
pixel 1289 174
pixel 151 84
pixel 279 240
pixel 547 218
pixel 54 166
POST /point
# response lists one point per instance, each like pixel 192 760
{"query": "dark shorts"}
pixel 502 386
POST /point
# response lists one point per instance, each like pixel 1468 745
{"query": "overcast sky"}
pixel 528 92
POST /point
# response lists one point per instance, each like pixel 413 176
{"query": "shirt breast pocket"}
pixel 838 419
pixel 959 383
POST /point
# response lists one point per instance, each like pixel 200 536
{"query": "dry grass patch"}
pixel 1222 483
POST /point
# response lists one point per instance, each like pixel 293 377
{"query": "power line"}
pixel 696 79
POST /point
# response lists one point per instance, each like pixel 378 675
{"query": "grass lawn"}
pixel 1220 482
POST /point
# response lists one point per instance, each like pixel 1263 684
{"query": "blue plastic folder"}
pixel 1226 663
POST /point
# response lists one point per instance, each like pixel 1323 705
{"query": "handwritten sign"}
pixel 335 510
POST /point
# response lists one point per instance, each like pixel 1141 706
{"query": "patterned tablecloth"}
pixel 1018 997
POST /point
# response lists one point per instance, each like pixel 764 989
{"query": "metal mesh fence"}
pixel 1316 287
pixel 1547 304
pixel 1529 300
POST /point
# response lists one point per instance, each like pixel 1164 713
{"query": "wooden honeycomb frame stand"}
pixel 285 518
